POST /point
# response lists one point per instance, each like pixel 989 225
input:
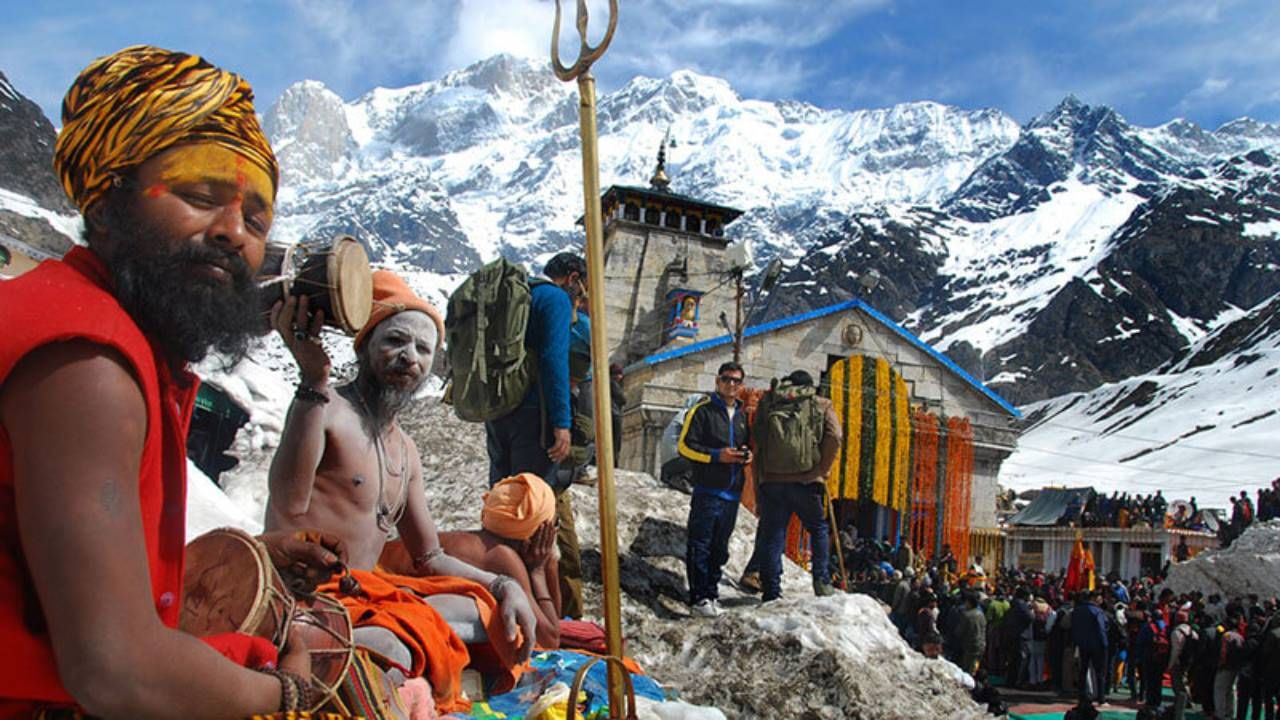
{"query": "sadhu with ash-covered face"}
pixel 164 156
pixel 345 466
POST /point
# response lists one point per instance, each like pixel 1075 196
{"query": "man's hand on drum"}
pixel 300 330
pixel 305 558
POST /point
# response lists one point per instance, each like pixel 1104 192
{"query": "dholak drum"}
pixel 324 626
pixel 230 586
pixel 335 278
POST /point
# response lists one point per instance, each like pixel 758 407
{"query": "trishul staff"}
pixel 581 71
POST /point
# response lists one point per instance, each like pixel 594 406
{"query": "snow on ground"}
pixel 1250 565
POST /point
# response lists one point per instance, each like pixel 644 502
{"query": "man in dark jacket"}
pixel 971 634
pixel 1018 628
pixel 713 439
pixel 1089 634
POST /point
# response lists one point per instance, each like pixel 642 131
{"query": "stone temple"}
pixel 924 439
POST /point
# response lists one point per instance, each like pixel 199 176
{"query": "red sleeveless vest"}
pixel 58 301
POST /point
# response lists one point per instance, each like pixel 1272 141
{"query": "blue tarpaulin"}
pixel 548 668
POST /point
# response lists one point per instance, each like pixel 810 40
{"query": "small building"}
pixel 1043 535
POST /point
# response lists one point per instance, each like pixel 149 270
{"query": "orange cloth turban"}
pixel 516 506
pixel 127 107
pixel 392 295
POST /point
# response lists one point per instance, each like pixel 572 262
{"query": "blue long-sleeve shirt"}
pixel 547 339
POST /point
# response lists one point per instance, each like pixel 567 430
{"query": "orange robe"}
pixel 438 653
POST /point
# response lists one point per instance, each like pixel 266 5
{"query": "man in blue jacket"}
pixel 534 437
pixel 1089 634
pixel 713 438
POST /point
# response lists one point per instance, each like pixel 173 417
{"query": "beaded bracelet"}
pixel 498 581
pixel 288 689
pixel 423 560
pixel 306 393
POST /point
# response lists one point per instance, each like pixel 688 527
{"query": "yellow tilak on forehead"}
pixel 206 162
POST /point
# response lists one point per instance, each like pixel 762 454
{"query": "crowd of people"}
pixel 1118 639
pixel 1244 513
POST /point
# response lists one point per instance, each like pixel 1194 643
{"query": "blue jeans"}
pixel 777 502
pixel 711 521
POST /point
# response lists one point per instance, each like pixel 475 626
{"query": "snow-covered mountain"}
pixel 486 160
pixel 1065 262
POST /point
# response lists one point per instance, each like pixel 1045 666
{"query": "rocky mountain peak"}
pixel 26 150
pixel 506 74
pixel 309 131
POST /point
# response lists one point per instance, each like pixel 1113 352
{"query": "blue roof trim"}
pixel 830 310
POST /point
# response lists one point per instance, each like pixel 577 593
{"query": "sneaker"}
pixel 822 589
pixel 750 582
pixel 706 608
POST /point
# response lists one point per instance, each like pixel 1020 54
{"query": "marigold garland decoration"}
pixel 884 434
pixel 924 481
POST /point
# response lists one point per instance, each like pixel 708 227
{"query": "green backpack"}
pixel 788 429
pixel 489 370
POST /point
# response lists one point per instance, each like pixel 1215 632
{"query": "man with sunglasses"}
pixel 714 440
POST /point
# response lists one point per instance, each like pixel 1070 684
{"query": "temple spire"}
pixel 660 181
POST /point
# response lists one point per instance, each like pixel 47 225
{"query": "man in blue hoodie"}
pixel 1089 634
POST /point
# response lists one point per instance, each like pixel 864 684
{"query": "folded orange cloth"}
pixel 394 602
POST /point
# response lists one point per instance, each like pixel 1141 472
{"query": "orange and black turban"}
pixel 126 107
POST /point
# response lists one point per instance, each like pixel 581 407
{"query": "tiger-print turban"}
pixel 128 106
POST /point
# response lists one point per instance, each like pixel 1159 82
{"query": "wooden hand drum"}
pixel 230 586
pixel 334 277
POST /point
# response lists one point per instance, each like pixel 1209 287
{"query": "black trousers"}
pixel 517 442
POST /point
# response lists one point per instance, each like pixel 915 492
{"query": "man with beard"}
pixel 163 154
pixel 345 466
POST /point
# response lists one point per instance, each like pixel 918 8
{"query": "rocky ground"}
pixel 1250 565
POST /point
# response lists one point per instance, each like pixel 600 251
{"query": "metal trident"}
pixel 581 71
pixel 586 54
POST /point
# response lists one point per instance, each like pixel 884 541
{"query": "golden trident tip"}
pixel 586 54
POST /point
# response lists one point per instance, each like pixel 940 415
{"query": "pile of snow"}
pixel 1250 565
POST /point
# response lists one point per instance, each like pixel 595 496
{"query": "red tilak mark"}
pixel 241 179
pixel 157 190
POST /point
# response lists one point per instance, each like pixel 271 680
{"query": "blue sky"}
pixel 1205 60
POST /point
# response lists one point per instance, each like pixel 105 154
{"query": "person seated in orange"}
pixel 518 539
